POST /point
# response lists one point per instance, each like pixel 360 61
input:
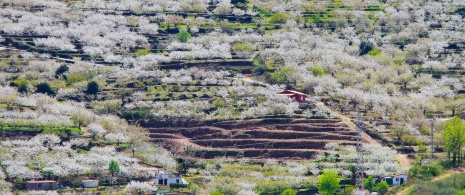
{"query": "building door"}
pixel 160 182
pixel 401 181
pixel 166 182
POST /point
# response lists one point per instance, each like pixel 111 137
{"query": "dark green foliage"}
pixel 461 11
pixel 365 47
pixel 183 36
pixel 137 114
pixel 353 170
pixel 61 70
pixel 178 185
pixel 260 69
pixel 279 18
pixel 44 88
pixel 93 87
pixel 22 85
pixel 113 167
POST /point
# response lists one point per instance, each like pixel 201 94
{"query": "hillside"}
pixel 192 87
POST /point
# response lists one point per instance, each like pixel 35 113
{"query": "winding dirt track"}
pixel 402 158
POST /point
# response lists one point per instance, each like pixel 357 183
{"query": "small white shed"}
pixel 90 183
pixel 398 180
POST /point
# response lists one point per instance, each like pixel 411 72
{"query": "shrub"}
pixel 183 36
pixel 289 192
pixel 219 103
pixel 216 192
pixel 93 87
pixel 139 84
pixel 142 52
pixel 113 167
pixel 278 77
pixel 317 71
pixel 408 139
pixel 374 52
pixel 369 183
pixel 260 69
pixel 279 18
pixel 365 47
pixel 44 88
pixel 137 114
pixel 22 85
pixel 61 70
pixel 178 185
pixel 382 187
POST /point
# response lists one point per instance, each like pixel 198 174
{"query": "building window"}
pixel 177 180
pixel 397 179
pixel 39 185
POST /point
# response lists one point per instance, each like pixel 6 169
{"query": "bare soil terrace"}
pixel 292 141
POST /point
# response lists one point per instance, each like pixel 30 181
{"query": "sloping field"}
pixel 296 141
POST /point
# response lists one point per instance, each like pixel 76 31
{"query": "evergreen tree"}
pixel 183 36
pixel 44 88
pixel 113 167
pixel 61 70
pixel 93 87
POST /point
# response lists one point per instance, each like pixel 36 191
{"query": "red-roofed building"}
pixel 41 185
pixel 298 96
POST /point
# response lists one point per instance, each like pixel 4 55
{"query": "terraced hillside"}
pixel 256 140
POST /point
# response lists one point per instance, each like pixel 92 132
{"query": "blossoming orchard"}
pixel 231 97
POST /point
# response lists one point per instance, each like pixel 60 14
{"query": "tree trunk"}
pixel 448 157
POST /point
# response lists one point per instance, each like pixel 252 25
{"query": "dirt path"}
pixel 349 122
pixel 403 160
pixel 404 191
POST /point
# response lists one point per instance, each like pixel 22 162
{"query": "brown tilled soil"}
pixel 295 141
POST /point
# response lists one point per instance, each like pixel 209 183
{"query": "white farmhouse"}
pixel 396 180
pixel 166 178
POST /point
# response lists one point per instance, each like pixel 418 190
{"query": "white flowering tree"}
pixel 135 187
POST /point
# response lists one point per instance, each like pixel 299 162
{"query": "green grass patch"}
pixel 38 128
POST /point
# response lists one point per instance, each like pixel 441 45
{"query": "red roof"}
pixel 40 181
pixel 291 92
